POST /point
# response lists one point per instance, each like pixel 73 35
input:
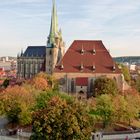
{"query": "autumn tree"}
pixel 125 72
pixel 44 82
pixel 16 103
pixel 120 107
pixel 104 85
pixel 61 120
pixel 105 109
pixel 132 110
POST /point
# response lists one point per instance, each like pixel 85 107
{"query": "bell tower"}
pixel 55 44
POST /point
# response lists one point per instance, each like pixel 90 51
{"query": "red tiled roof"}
pixel 82 81
pixel 73 59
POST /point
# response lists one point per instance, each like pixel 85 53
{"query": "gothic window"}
pixel 31 67
pixel 27 70
pixel 36 68
pixel 72 85
pixel 91 85
pixel 59 55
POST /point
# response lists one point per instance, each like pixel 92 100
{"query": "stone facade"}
pixel 29 67
pixel 67 81
pixel 54 55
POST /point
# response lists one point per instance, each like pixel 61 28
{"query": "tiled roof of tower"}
pixel 87 56
pixel 35 51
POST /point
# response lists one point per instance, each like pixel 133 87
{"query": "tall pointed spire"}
pixel 54 25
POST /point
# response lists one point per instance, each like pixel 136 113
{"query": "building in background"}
pixel 8 67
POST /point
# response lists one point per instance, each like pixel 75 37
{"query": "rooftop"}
pixel 87 56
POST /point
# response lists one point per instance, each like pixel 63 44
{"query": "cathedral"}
pixel 42 58
pixel 77 69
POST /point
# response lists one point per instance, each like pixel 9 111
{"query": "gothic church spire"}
pixel 54 26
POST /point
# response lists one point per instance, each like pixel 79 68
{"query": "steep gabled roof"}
pixel 87 56
pixel 35 51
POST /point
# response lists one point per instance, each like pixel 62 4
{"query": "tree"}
pixel 132 110
pixel 43 81
pixel 42 99
pixel 104 85
pixel 120 106
pixel 105 109
pixel 16 103
pixel 61 121
pixel 125 72
pixel 40 83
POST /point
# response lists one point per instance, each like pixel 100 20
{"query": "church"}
pixel 42 58
pixel 77 69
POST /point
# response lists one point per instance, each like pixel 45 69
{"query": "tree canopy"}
pixel 104 85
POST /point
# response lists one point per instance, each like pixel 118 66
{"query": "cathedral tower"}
pixel 55 45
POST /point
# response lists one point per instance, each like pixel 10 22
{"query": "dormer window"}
pixel 82 51
pixel 81 67
pixel 62 66
pixel 114 68
pixel 94 51
pixel 93 68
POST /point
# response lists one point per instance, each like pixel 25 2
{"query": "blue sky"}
pixel 27 22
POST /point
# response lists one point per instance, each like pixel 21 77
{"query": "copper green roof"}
pixel 54 26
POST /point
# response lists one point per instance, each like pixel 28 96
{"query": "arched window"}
pixel 91 85
pixel 72 85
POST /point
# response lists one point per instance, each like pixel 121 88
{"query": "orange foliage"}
pixel 18 93
pixel 39 83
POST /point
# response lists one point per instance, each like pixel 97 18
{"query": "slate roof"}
pixel 35 51
pixel 94 59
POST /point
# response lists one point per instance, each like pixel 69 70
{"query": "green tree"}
pixel 104 85
pixel 105 109
pixel 42 99
pixel 132 110
pixel 125 72
pixel 120 106
pixel 61 121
